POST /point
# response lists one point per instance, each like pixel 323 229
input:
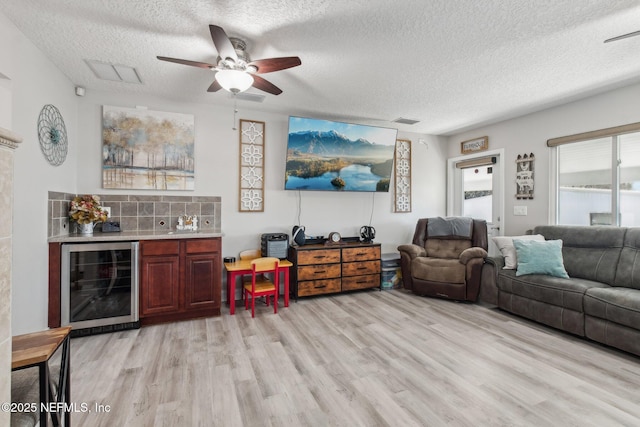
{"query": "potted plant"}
pixel 86 212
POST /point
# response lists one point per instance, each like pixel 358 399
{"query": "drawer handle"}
pixel 320 271
pixel 319 256
pixel 320 286
pixel 361 268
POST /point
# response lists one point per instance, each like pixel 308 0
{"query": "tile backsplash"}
pixel 140 213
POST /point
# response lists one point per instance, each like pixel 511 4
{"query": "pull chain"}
pixel 235 111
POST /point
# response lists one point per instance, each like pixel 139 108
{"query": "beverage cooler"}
pixel 99 287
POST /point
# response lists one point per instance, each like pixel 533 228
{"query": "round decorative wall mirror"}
pixel 52 134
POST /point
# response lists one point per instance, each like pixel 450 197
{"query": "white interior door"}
pixel 475 189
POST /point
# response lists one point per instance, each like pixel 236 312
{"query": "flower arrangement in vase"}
pixel 86 211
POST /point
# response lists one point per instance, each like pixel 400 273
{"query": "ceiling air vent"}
pixel 114 72
pixel 404 121
pixel 244 96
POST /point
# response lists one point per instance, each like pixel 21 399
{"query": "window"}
pixel 598 179
pixel 477 185
pixel 629 182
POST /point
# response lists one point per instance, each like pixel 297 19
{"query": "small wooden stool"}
pixel 35 350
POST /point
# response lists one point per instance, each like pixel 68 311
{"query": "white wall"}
pixel 217 164
pixel 8 33
pixel 529 134
pixel 35 81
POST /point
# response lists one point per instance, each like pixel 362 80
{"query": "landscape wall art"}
pixel 336 156
pixel 147 150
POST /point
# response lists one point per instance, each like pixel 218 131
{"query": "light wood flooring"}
pixel 362 359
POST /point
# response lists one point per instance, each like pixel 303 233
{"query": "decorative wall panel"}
pixel 252 140
pixel 524 176
pixel 402 177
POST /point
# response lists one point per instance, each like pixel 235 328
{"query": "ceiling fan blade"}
pixel 186 62
pixel 222 43
pixel 215 86
pixel 275 64
pixel 262 84
pixel 624 36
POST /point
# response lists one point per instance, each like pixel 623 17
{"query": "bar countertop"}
pixel 134 235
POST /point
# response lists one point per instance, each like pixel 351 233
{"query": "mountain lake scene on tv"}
pixel 334 156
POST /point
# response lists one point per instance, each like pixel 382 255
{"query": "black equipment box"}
pixel 274 245
pixel 110 227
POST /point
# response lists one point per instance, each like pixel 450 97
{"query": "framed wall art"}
pixel 402 177
pixel 252 140
pixel 147 150
pixel 524 176
pixel 474 145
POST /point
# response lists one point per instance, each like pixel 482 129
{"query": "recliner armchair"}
pixel 445 258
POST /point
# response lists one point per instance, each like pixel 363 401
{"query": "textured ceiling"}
pixel 452 64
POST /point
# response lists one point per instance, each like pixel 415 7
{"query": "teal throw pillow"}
pixel 536 257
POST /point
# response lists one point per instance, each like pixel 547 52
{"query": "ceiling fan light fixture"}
pixel 234 81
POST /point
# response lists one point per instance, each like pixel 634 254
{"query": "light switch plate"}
pixel 520 210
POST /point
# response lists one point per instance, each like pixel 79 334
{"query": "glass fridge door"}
pixel 99 284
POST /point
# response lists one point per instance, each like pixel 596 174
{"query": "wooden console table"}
pixel 36 349
pixel 331 268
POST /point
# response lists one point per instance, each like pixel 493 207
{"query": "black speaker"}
pixel 367 233
pixel 297 235
pixel 274 245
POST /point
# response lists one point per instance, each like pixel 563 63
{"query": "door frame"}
pixel 451 183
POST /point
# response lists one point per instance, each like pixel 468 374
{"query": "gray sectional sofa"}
pixel 600 300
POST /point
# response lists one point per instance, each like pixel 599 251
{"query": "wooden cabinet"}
pixel 202 272
pixel 323 269
pixel 179 279
pixel 159 277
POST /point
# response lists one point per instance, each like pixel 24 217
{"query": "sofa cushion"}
pixel 567 293
pixel 590 253
pixel 508 251
pixel 540 258
pixel 438 270
pixel 619 305
pixel 628 274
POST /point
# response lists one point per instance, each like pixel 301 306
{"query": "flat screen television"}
pixel 333 156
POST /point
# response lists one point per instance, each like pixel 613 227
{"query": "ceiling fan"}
pixel 235 71
pixel 624 36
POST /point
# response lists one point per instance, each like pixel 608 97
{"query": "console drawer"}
pixel 195 246
pixel 360 268
pixel 160 247
pixel 360 282
pixel 322 256
pixel 318 287
pixel 315 272
pixel 360 254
